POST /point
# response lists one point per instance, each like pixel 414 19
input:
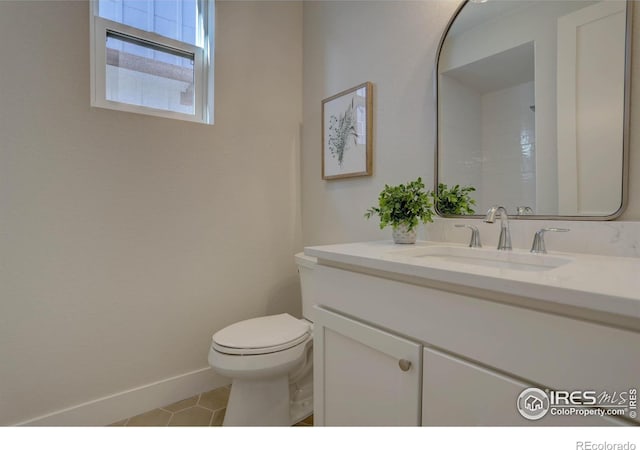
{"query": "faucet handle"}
pixel 475 234
pixel 524 210
pixel 538 245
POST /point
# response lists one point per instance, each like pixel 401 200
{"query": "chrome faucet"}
pixel 475 235
pixel 538 245
pixel 504 242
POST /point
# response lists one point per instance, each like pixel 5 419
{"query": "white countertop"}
pixel 602 283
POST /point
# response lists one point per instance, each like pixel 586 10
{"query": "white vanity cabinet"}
pixel 461 393
pixel 363 375
pixel 471 355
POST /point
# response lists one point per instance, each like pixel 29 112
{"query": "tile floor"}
pixel 206 409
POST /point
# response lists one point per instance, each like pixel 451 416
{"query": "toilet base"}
pixel 276 401
pixel 259 403
pixel 301 398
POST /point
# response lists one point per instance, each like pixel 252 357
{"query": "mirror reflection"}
pixel 531 106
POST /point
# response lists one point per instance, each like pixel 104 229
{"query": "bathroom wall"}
pixel 393 45
pixel 127 240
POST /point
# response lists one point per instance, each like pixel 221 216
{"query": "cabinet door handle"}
pixel 404 364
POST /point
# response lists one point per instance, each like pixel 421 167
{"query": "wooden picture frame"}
pixel 347 133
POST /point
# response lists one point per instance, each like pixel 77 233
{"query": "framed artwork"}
pixel 347 133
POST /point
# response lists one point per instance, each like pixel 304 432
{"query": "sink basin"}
pixel 513 260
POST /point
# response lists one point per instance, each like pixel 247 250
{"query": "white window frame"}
pixel 203 64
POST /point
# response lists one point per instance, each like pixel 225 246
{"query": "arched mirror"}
pixel 533 107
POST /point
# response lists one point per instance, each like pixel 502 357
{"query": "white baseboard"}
pixel 112 408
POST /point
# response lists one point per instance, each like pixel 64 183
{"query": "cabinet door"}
pixel 363 375
pixel 459 393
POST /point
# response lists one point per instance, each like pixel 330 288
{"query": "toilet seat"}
pixel 261 335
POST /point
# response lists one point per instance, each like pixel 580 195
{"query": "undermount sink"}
pixel 513 260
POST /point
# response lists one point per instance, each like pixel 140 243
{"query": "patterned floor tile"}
pixel 216 399
pixel 182 404
pixel 191 417
pixel 154 418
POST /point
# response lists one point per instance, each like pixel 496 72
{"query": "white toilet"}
pixel 269 360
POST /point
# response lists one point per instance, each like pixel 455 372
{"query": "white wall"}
pixel 393 45
pixel 127 240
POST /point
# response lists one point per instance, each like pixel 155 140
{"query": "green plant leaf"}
pixel 403 204
pixel 455 200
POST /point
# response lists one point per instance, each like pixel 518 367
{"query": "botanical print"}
pixel 341 130
pixel 346 133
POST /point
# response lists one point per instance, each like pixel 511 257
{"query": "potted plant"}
pixel 403 207
pixel 454 201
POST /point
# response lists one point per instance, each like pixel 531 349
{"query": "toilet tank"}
pixel 306 264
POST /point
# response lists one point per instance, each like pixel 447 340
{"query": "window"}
pixel 153 57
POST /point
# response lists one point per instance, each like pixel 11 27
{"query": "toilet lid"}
pixel 261 335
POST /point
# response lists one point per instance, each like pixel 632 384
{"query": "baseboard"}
pixel 112 408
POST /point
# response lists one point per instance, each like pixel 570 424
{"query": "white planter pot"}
pixel 402 236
